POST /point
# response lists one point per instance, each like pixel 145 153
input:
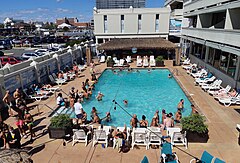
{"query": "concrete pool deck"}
pixel 222 122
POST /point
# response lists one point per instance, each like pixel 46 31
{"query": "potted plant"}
pixel 60 126
pixel 197 130
pixel 159 61
pixel 110 62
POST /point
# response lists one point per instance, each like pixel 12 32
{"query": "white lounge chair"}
pixel 35 97
pixel 199 74
pixel 145 62
pixel 106 128
pixel 220 91
pixel 155 137
pixel 100 136
pixel 171 130
pixel 139 61
pixel 57 81
pixel 79 135
pixel 186 62
pixel 102 59
pixel 189 67
pixel 214 86
pixel 140 137
pixel 206 80
pixel 229 101
pixel 179 139
pixel 152 61
pixel 52 89
pixel 129 59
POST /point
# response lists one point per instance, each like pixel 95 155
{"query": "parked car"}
pixel 1 53
pixel 28 55
pixel 41 52
pixel 9 59
pixel 5 44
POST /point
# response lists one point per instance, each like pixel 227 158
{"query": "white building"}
pixel 176 18
pixel 212 37
pixel 131 23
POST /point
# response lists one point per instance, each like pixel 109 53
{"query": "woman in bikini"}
pixel 143 122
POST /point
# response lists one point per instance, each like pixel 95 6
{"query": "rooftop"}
pixel 139 43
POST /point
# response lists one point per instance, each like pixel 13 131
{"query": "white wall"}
pixel 131 21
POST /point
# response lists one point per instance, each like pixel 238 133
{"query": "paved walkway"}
pixel 222 141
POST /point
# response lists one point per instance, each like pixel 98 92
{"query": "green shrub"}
pixel 61 121
pixel 194 123
pixel 159 58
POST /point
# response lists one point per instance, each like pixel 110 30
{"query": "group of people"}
pixel 16 104
pixel 167 120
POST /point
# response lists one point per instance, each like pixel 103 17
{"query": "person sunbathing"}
pixel 232 93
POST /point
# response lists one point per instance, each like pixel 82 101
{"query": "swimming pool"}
pixel 146 92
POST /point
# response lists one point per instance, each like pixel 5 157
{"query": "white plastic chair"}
pixel 79 135
pixel 139 61
pixel 102 59
pixel 100 136
pixel 129 59
pixel 171 130
pixel 140 137
pixel 179 139
pixel 155 137
pixel 152 61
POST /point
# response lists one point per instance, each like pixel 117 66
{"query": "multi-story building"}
pixel 212 37
pixel 131 23
pixel 113 4
pixel 176 19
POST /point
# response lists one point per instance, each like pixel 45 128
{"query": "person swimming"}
pixel 125 102
pixel 170 76
pixel 99 96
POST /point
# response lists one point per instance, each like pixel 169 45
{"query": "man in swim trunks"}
pixel 181 104
pixel 134 121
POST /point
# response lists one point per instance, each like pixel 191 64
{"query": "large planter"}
pixel 160 64
pixel 196 137
pixel 58 133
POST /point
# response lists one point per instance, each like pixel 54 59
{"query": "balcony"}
pixel 230 37
pixel 204 6
pixel 177 13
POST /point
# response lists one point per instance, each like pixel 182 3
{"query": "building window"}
pixel 211 55
pixel 139 23
pixel 157 23
pixel 216 62
pixel 232 65
pixel 122 23
pixel 105 24
pixel 224 58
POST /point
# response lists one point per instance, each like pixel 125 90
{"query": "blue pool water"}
pixel 146 92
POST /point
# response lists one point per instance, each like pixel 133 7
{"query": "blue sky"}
pixel 49 10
